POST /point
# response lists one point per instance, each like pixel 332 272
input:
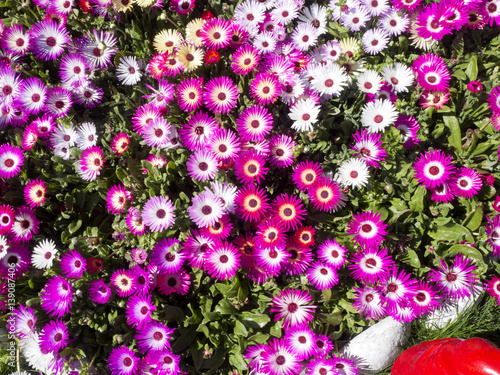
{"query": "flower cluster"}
pixel 255 161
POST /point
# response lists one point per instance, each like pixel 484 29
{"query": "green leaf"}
pixel 417 201
pixel 259 319
pixel 333 319
pixel 74 226
pixel 173 313
pixel 236 359
pixel 240 329
pixel 471 70
pixel 121 174
pixel 455 137
pixel 412 259
pixel 259 338
pixel 468 251
pixel 450 232
pixel 474 219
pixel 225 308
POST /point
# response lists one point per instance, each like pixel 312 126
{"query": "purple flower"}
pixel 123 361
pixel 368 229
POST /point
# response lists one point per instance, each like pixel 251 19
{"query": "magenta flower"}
pixel 73 264
pixel 123 361
pixel 220 95
pixel 54 336
pixel 475 86
pixel 370 266
pixel 222 260
pixel 293 306
pixel 457 281
pixel 433 168
pixel 368 302
pixel 368 229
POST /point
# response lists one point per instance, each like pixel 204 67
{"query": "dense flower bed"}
pixel 240 187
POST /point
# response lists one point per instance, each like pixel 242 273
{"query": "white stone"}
pixel 378 347
pixel 450 311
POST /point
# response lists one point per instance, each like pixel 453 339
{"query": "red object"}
pixel 94 265
pixel 208 15
pixel 449 356
pixel 212 56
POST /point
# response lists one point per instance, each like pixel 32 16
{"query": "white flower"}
pixel 226 192
pixel 315 15
pixel 285 11
pixel 329 79
pixel 376 7
pixel 374 41
pixel 369 81
pixel 43 254
pixel 128 71
pixel 249 14
pixel 87 136
pixel 4 246
pixel 353 172
pixel 378 115
pixel 304 36
pixel 304 113
pixel 399 76
pixel 394 24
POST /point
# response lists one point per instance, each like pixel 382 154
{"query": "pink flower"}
pixel 475 86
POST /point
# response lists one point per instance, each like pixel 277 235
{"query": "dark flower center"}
pixel 421 297
pixel 48 255
pixel 203 166
pixel 127 361
pixel 280 152
pixel 393 23
pixel 51 41
pixel 285 14
pixel 355 20
pixel 293 307
pixel 250 17
pixel 206 210
pixel 199 130
pixel 280 360
pixel 144 310
pixel 368 85
pixel 189 57
pixel 252 168
pixel 59 104
pixel 273 254
pixel 335 254
pixel 223 148
pixel 103 289
pixel 158 133
pixel 169 257
pixel 293 254
pixel 305 38
pixel 247 61
pixel 266 90
pixel 172 282
pixel 306 116
pixel 217 35
pixel 324 194
pixel 353 174
pixel 434 170
pixel 369 298
pixel 302 339
pixel 374 42
pixel 169 44
pixel 324 271
pixel 97 162
pixel 378 119
pixel 131 70
pixel 392 288
pixel 20 42
pixel 224 258
pixel 221 96
pixel 492 8
pixel 371 263
pixel 252 203
pixel 287 212
pixel 367 228
pixel 158 336
pixel 394 80
pixel 9 163
pixel 431 79
pixel 58 337
pixel 309 177
pixel 12 259
pixel 450 277
pixel 463 183
pixel 436 100
pixel 168 360
pixel 25 224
